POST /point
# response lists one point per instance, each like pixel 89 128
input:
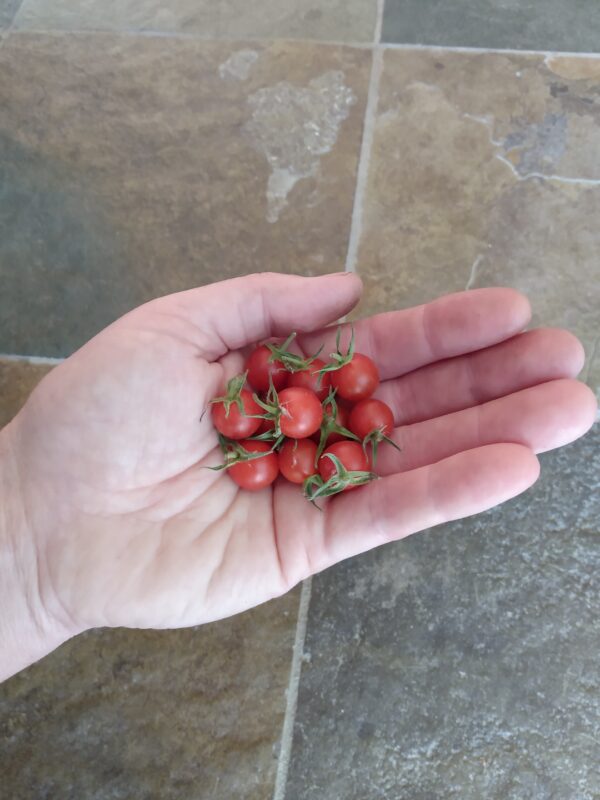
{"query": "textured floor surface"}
pixel 147 147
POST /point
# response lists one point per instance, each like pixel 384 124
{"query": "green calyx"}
pixel 340 359
pixel 374 439
pixel 315 487
pixel 269 436
pixel 233 394
pixel 273 411
pixel 234 453
pixel 291 361
pixel 330 425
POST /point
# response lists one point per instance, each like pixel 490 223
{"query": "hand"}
pixel 130 528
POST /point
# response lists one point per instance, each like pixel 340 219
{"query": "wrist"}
pixel 29 625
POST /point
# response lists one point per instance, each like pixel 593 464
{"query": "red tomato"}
pixel 371 415
pixel 309 379
pixel 302 412
pixel 259 368
pixel 265 425
pixel 258 473
pixel 357 380
pixel 342 420
pixel 351 456
pixel 297 459
pixel 234 424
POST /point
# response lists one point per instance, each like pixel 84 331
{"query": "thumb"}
pixel 234 313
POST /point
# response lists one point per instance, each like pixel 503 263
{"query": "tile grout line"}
pixel 378 23
pixel 366 145
pixel 4 34
pixel 16 14
pixel 364 160
pixel 49 360
pixel 487 50
pixel 194 37
pixel 378 45
pixel 287 732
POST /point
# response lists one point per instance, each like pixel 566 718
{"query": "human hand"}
pixel 127 525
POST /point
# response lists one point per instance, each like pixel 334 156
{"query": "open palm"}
pixel 129 526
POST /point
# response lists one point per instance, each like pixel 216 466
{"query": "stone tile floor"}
pixel 511 24
pixel 138 156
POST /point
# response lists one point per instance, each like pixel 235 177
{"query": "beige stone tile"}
pixel 334 20
pixel 176 715
pixel 138 166
pixel 17 380
pixel 485 171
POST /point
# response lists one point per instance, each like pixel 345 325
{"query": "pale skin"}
pixel 110 517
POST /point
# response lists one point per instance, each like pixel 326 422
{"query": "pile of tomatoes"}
pixel 314 422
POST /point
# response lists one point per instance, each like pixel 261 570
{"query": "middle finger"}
pixel 541 418
pixel 454 384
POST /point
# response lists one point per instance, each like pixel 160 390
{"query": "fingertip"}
pixel 561 350
pixel 575 406
pixel 476 480
pixel 521 306
pixel 586 404
pixel 351 282
pixel 339 292
pixel 573 352
pixel 513 302
pixel 524 465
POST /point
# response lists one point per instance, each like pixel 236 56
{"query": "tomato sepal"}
pixel 329 424
pixel 339 359
pixel 233 394
pixel 234 453
pixel 268 436
pixel 273 409
pixel 375 438
pixel 338 482
pixel 291 361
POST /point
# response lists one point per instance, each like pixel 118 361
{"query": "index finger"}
pixel 401 341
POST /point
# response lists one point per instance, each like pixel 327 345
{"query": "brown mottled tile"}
pixel 137 166
pixel 485 171
pixel 337 20
pixel 17 380
pixel 179 715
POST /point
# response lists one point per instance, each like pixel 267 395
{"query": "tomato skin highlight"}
pixel 310 379
pixel 356 380
pixel 258 473
pixel 371 415
pixel 297 459
pixel 236 425
pixel 259 369
pixel 303 412
pixel 351 456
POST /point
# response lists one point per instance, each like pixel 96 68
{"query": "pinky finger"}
pixel 404 503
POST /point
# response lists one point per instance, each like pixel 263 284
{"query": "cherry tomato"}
pixel 356 380
pixel 342 420
pixel 257 473
pixel 235 424
pixel 351 456
pixel 265 425
pixel 297 459
pixel 371 415
pixel 310 379
pixel 259 368
pixel 302 412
